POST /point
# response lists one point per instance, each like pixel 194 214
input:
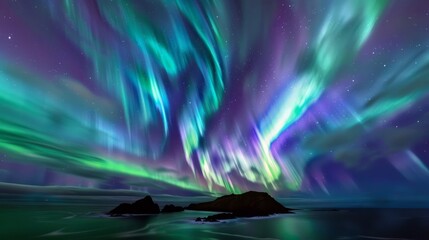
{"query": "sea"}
pixel 89 221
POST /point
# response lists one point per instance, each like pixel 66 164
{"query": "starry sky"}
pixel 318 97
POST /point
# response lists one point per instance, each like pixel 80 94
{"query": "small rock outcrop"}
pixel 216 217
pixel 249 204
pixel 142 206
pixel 170 208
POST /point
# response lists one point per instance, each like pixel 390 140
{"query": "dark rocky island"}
pixel 170 208
pixel 249 204
pixel 142 206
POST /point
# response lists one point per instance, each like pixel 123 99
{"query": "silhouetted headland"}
pixel 249 204
pixel 142 206
pixel 171 208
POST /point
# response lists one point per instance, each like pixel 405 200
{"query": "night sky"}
pixel 326 98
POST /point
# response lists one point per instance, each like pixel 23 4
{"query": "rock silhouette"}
pixel 142 206
pixel 248 204
pixel 216 217
pixel 170 208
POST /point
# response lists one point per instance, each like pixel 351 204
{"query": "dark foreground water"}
pixel 86 222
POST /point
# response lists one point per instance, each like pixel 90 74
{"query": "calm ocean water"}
pixel 87 222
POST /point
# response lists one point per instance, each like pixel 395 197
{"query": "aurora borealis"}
pixel 319 97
